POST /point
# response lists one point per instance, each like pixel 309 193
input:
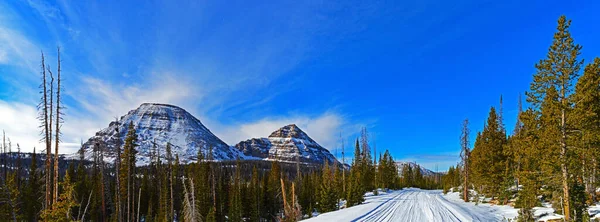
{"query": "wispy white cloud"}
pixel 45 9
pixel 110 71
pixel 17 50
pixel 20 123
pixel 103 100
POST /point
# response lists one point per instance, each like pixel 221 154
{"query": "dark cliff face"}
pixel 256 147
pixel 161 124
pixel 288 143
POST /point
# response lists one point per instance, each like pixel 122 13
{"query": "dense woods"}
pixel 47 187
pixel 552 154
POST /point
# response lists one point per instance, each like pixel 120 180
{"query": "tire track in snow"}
pixel 422 205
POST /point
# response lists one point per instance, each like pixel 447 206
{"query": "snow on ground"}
pixel 594 211
pixel 414 204
pixel 546 213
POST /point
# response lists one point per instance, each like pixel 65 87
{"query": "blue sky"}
pixel 410 71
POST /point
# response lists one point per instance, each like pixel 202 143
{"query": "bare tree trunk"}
pixel 593 182
pixel 563 167
pixel 584 176
pixel 86 207
pixel 117 166
pixel 193 199
pixel 139 200
pixel 171 186
pixel 132 200
pixel 128 187
pixel 343 166
pixel 102 181
pixel 57 128
pixel 4 162
pixel 51 131
pixel 374 165
pixel 46 131
pixel 286 208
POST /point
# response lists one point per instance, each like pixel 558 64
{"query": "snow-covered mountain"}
pixel 287 144
pixel 159 124
pixel 424 171
pixel 162 124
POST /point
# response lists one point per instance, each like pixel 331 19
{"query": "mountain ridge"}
pixel 159 124
pixel 288 143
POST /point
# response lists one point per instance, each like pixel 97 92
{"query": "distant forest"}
pixel 47 187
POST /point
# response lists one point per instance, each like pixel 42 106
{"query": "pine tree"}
pixel 337 183
pixel 235 201
pixel 202 182
pixel 169 156
pixel 32 192
pixel 327 196
pixel 355 190
pixel 587 118
pixel 11 194
pixel 212 215
pixel 487 158
pixel 66 201
pixel 255 200
pixel 368 169
pixel 465 153
pixel 418 177
pixel 407 176
pixel 128 171
pixel 273 196
pixel 558 71
pixel 526 143
pixel 177 187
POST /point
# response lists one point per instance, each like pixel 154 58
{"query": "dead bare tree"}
pixel 100 162
pixel 44 119
pixel 170 172
pixel 291 210
pixel 4 155
pixel 139 200
pixel 190 213
pixel 86 206
pixel 57 127
pixel 117 166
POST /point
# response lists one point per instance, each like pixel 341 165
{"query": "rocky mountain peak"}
pixel 157 125
pixel 289 131
pixel 288 143
pixel 161 124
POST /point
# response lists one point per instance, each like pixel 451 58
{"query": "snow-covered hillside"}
pixel 287 144
pixel 161 124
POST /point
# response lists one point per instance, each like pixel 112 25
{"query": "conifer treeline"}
pixel 552 154
pixel 92 189
pixel 207 190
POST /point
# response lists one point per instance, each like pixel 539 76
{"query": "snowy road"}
pixel 417 205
